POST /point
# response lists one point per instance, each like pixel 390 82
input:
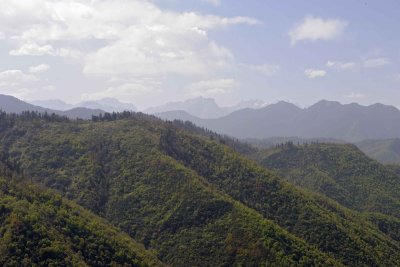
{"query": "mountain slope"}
pixel 11 104
pixel 325 119
pixel 341 172
pixel 306 217
pixel 191 199
pixel 152 197
pixel 41 228
pixel 384 151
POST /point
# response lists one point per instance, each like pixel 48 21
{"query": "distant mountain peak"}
pixel 282 105
pixel 326 103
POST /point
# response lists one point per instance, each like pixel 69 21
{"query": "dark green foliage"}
pixel 341 172
pixel 115 169
pixel 38 227
pixel 336 232
pixel 188 197
pixel 386 224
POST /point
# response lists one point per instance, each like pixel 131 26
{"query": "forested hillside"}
pixel 341 172
pixel 188 197
pixel 40 228
pixel 384 151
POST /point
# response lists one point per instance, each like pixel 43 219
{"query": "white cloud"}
pixel 169 56
pixel 12 78
pixel 266 69
pixel 134 37
pixel 376 62
pixel 354 95
pixel 341 65
pixel 39 68
pixel 314 28
pixel 397 77
pixel 33 49
pixel 127 91
pixel 213 2
pixel 208 88
pixel 29 92
pixel 22 85
pixel 313 73
pixel 48 88
pixel 119 39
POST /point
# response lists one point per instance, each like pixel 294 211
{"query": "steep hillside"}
pixel 115 169
pixel 384 151
pixel 308 216
pixel 189 198
pixel 40 228
pixel 341 172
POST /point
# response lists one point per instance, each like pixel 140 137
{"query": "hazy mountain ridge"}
pixel 106 104
pixel 204 108
pixel 12 104
pixel 325 119
pixel 384 151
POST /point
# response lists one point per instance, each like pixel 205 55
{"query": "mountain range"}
pixel 205 108
pixel 106 104
pixel 325 119
pixel 12 104
pixel 131 189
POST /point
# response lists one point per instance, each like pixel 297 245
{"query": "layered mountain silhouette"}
pixel 205 108
pixel 12 104
pixel 106 104
pixel 325 119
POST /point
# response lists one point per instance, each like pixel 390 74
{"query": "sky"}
pixel 151 52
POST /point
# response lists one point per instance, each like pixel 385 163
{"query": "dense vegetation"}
pixel 341 172
pixel 38 227
pixel 113 168
pixel 306 215
pixel 188 197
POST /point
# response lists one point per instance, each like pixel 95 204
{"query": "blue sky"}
pixel 151 52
